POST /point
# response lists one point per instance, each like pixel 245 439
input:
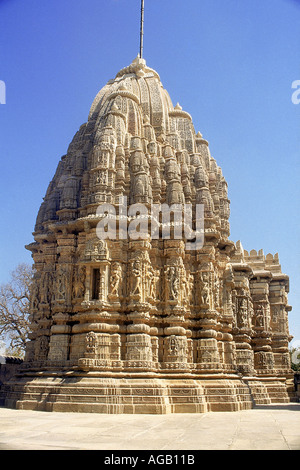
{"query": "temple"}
pixel 147 324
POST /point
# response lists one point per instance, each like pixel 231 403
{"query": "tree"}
pixel 295 359
pixel 15 308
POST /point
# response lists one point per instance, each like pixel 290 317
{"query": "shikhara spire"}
pixel 142 28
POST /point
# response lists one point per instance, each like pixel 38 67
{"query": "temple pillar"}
pixel 207 301
pixel 138 341
pixel 243 312
pixel 176 343
pixel 263 355
pixel 279 308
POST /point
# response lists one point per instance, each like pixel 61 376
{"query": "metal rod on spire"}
pixel 142 29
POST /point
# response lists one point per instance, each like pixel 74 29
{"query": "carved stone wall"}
pixel 149 305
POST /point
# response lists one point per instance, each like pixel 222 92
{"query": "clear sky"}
pixel 229 63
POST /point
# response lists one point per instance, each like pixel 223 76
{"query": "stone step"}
pixel 53 397
pixel 101 391
pixel 47 393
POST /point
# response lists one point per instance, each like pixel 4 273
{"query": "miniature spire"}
pixel 142 29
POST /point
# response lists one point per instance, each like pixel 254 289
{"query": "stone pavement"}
pixel 268 427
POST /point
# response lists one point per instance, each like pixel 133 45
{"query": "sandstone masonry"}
pixel 145 325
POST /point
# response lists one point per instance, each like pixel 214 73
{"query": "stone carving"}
pixel 79 283
pixel 205 290
pixel 34 297
pixel 141 191
pixel 46 288
pixel 173 282
pixel 259 316
pixel 91 342
pixel 242 310
pixel 139 348
pixel 115 278
pixel 187 289
pixel 42 348
pixel 69 194
pixel 153 276
pixel 136 278
pixel 96 250
pixel 61 284
pixel 176 349
pixel 144 310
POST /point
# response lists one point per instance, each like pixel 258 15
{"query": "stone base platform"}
pixel 96 394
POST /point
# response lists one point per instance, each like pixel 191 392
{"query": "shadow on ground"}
pixel 292 407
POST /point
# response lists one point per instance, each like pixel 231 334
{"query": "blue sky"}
pixel 230 64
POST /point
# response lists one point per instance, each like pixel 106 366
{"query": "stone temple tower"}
pixel 147 324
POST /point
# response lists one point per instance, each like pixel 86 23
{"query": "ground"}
pixel 268 427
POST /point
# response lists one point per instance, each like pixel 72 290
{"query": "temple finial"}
pixel 142 29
